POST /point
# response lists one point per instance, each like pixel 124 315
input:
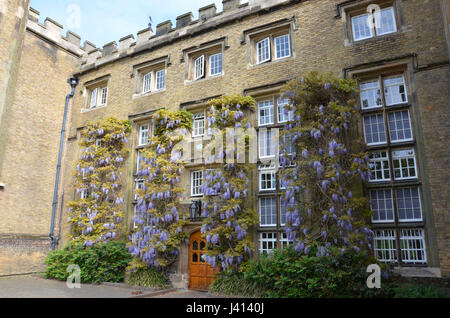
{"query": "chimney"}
pixel 184 20
pixel 229 5
pixel 163 27
pixel 207 12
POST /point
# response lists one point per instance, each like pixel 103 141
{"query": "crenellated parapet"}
pixel 166 32
pixel 53 31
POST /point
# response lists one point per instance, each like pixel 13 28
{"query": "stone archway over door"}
pixel 201 274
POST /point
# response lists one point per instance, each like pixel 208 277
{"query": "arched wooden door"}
pixel 201 274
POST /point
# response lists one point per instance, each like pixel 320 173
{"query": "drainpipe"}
pixel 73 81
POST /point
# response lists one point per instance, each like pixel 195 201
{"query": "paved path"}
pixel 186 294
pixel 36 287
pixel 33 286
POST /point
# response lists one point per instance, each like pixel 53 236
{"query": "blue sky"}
pixel 103 21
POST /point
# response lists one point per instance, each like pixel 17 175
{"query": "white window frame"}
pixel 398 155
pixel 382 160
pixel 365 132
pixel 420 207
pixel 260 47
pixel 363 89
pixel 94 98
pixel 410 127
pixel 84 194
pixel 147 82
pixel 270 238
pixel 211 64
pixel 198 126
pixel 409 238
pixel 139 161
pixel 271 216
pixel 376 19
pixel 196 189
pixel 160 80
pixel 386 220
pixel 103 96
pixel 139 185
pixel 144 134
pixel 379 20
pixel 199 67
pixel 282 118
pixel 388 248
pixel 273 180
pixel 276 47
pixel 266 105
pixel 367 16
pixel 386 86
pixel 269 150
pixel 284 241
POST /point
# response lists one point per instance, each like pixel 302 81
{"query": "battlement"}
pixel 166 32
pixel 53 32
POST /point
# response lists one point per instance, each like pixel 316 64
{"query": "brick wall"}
pixel 31 152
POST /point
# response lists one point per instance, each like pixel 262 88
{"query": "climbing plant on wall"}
pixel 159 220
pixel 228 214
pixel 329 161
pixel 96 217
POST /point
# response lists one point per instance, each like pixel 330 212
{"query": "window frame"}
pixel 268 225
pixel 141 128
pixel 202 67
pixel 373 19
pixel 386 220
pixel 200 118
pixel 273 180
pixel 210 64
pixel 399 158
pixel 276 48
pixel 200 194
pixel 382 160
pixel 269 49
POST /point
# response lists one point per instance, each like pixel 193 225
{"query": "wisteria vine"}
pixel 96 217
pixel 228 216
pixel 159 219
pixel 329 162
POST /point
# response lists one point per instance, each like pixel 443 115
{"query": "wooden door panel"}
pixel 201 274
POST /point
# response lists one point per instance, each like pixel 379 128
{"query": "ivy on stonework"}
pixel 96 217
pixel 324 161
pixel 228 214
pixel 159 220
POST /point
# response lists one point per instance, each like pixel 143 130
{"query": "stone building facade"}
pixel 401 63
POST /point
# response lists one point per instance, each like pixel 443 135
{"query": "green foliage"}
pixel 419 291
pixel 235 284
pixel 98 218
pixel 147 277
pixel 104 262
pixel 287 274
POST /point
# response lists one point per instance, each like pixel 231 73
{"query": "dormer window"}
pixel 204 61
pixel 97 94
pixel 377 22
pixel 270 42
pixel 150 77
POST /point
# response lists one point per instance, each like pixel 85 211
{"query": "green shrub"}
pixel 100 263
pixel 419 291
pixel 235 284
pixel 147 277
pixel 287 274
